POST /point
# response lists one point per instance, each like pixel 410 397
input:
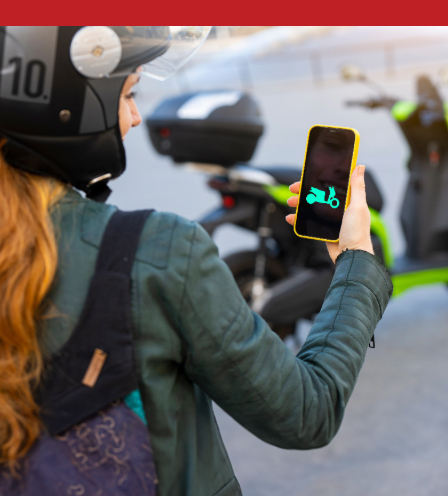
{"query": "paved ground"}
pixel 395 433
pixel 394 439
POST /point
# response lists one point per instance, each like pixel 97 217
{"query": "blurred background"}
pixel 395 434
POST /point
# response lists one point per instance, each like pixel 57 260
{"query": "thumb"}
pixel 358 189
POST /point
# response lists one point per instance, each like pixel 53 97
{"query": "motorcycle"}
pixel 424 211
pixel 317 195
pixel 286 278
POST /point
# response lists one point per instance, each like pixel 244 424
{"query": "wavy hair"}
pixel 28 262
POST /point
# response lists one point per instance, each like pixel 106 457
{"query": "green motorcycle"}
pixel 424 212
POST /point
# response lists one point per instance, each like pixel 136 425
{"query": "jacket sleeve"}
pixel 231 353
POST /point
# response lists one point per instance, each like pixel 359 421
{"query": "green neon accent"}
pixel 378 227
pixel 280 193
pixel 405 281
pixel 318 196
pixel 445 108
pixel 402 110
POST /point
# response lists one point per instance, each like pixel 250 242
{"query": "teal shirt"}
pixel 196 340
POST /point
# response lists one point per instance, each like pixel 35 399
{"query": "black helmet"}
pixel 60 90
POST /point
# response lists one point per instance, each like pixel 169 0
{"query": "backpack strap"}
pixel 96 366
pixel 120 241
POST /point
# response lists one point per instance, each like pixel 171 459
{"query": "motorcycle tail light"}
pixel 228 201
pixel 434 157
pixel 165 132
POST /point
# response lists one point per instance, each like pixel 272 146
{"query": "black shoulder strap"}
pixel 120 241
pixel 75 386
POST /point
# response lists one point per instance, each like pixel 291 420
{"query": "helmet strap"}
pixel 98 192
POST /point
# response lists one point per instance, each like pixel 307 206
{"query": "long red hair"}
pixel 28 262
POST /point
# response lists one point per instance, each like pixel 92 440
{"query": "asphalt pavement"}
pixel 394 437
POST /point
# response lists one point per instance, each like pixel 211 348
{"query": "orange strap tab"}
pixel 94 368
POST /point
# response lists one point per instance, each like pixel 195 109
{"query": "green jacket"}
pixel 197 340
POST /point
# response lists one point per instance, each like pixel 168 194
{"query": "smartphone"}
pixel 324 195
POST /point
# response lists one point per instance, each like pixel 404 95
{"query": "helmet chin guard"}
pixel 59 95
pixel 97 158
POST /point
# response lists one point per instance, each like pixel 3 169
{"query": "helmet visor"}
pixel 158 51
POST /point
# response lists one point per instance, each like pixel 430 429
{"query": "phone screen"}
pixel 325 182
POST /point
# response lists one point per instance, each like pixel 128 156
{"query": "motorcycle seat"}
pixel 289 175
pixel 284 175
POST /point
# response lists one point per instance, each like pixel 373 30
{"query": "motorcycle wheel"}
pixel 310 199
pixel 242 266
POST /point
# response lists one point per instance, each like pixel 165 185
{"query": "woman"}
pixel 195 339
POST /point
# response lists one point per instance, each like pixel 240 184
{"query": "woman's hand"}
pixel 355 229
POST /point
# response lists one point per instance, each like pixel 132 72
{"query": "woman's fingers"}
pixel 290 219
pixel 295 187
pixel 292 202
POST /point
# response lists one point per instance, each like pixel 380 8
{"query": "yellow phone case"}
pixel 353 165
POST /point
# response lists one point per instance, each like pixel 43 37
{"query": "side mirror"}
pixel 351 72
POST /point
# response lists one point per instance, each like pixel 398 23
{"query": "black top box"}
pixel 211 127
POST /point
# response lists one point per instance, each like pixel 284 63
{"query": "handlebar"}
pixel 372 103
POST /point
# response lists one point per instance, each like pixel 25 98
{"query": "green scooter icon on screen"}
pixel 318 196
